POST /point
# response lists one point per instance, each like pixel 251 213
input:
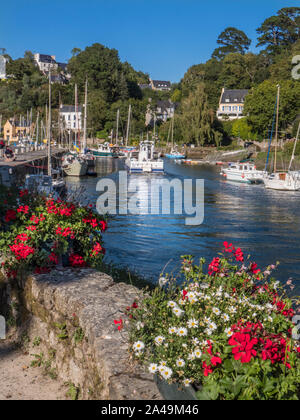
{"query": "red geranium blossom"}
pixel 23 209
pixel 10 215
pixel 77 260
pixel 243 349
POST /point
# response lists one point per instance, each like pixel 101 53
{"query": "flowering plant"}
pixel 36 231
pixel 227 333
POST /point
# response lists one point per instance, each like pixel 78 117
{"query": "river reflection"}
pixel 264 223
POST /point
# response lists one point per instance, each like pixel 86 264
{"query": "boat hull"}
pixel 76 169
pixel 175 156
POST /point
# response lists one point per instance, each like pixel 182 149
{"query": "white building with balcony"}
pixel 231 105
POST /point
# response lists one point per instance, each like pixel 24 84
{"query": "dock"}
pixel 28 160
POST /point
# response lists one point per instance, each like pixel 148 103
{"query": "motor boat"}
pixel 147 159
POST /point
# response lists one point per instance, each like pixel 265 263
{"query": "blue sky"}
pixel 160 37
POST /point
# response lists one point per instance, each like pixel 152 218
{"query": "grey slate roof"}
pixel 234 96
pixel 161 84
pixel 44 58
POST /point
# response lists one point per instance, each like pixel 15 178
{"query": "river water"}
pixel 264 223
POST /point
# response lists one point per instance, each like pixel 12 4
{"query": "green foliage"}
pixel 73 392
pixel 260 104
pixel 242 130
pixel 78 335
pixel 232 40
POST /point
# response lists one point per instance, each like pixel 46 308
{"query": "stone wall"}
pixel 72 314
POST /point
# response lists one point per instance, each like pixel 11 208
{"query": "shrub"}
pixel 228 332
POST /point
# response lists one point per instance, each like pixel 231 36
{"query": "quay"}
pixel 29 160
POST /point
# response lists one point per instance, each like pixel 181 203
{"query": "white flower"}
pixel 198 353
pixel 195 341
pixel 270 319
pixel 187 382
pixel 172 330
pixel 182 332
pixel 207 320
pixel 138 346
pixel 139 325
pixel 178 312
pixel 172 304
pixel 216 311
pixel 232 310
pixel 228 332
pixel 208 332
pixel 159 340
pixel 225 317
pixel 180 363
pixel 191 357
pixel 191 295
pixel 167 373
pixel 193 323
pixel 153 368
pixel 162 281
pixel 212 326
pixel 204 286
pixel 182 302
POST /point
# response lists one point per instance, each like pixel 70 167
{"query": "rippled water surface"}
pixel 264 223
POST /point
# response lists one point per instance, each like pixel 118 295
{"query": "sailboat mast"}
pixel 277 124
pixel 76 116
pixel 49 129
pixel 85 117
pixel 294 149
pixel 128 125
pixel 117 131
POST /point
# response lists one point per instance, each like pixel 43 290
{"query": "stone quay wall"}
pixel 72 314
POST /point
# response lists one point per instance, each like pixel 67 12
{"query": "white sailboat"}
pixel 72 163
pixel 52 184
pixel 282 180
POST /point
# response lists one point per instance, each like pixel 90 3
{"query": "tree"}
pixel 242 130
pixel 260 102
pixel 75 51
pixel 232 40
pixel 197 119
pixel 280 31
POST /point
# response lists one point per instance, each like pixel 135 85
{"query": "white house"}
pixel 231 105
pixel 45 62
pixel 70 117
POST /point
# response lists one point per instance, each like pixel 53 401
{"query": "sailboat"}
pixel 52 183
pixel 72 163
pixel 282 180
pixel 174 151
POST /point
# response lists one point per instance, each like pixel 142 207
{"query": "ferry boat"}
pixel 145 162
pixel 243 172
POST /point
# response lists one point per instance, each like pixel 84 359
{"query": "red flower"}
pixel 31 228
pixel 119 323
pixel 207 369
pixel 243 349
pixel 214 266
pixel 22 251
pixel 103 225
pixel 23 237
pixel 53 258
pixel 23 209
pixel 77 261
pixel 228 247
pixel 239 255
pixel 10 215
pixel 216 361
pixel 34 219
pixel 96 250
pixel 254 268
pixel 23 193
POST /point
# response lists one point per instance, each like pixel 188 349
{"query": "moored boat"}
pixel 145 161
pixel 243 172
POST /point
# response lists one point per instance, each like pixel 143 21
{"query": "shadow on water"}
pixel 264 223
